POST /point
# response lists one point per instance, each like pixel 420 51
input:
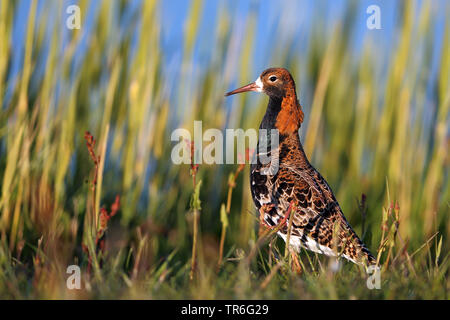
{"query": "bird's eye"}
pixel 273 78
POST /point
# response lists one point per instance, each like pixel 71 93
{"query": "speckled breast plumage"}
pixel 318 223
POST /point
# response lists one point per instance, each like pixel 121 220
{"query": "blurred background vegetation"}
pixel 376 106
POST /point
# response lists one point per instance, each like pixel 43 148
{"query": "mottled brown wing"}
pixel 318 221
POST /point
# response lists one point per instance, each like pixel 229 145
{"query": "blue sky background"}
pixel 297 17
pixel 275 19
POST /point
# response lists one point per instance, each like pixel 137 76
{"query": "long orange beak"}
pixel 250 87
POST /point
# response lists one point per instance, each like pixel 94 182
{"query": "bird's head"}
pixel 275 82
pixel 279 85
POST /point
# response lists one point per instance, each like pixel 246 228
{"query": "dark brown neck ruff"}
pixel 290 116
